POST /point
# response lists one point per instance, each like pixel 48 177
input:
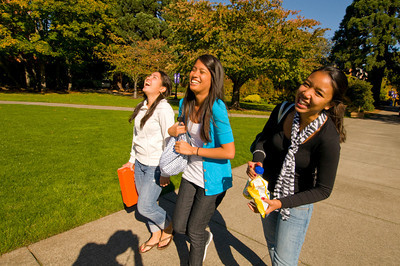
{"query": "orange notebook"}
pixel 128 188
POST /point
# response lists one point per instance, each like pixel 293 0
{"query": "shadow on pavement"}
pixel 390 115
pixel 120 242
pixel 224 241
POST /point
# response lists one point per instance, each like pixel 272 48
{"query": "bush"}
pixel 359 95
pixel 254 98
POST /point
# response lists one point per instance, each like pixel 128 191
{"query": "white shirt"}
pixel 148 142
pixel 194 170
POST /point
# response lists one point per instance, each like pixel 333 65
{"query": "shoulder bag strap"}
pixel 283 110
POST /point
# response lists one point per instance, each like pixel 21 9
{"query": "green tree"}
pixel 250 37
pixel 36 33
pixel 22 39
pixel 368 37
pixel 140 19
pixel 138 39
pixel 359 95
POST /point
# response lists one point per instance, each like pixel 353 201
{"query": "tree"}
pixel 138 39
pixel 250 37
pixel 22 34
pixel 140 20
pixel 138 58
pixel 36 33
pixel 368 37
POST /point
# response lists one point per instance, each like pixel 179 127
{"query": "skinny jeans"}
pixel 285 238
pixel 192 214
pixel 147 180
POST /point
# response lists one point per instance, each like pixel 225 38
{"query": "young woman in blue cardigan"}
pixel 208 174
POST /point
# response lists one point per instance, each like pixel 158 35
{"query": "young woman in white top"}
pixel 152 118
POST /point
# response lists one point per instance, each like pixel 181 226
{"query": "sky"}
pixel 328 12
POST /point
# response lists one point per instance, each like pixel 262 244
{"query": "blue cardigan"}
pixel 217 172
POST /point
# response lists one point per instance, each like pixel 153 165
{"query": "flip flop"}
pixel 143 247
pixel 165 246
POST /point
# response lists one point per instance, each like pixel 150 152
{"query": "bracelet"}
pixel 197 153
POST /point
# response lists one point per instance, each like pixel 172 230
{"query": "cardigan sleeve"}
pixel 223 130
pixel 259 153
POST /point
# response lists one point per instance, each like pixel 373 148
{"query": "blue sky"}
pixel 328 12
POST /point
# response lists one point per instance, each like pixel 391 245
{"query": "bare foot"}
pixel 152 242
pixel 166 237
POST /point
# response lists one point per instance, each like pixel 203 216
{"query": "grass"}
pixel 58 167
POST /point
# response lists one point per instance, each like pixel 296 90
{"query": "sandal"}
pixel 146 247
pixel 165 246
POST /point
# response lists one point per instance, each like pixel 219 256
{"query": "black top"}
pixel 316 160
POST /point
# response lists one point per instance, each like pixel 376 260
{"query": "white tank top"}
pixel 194 170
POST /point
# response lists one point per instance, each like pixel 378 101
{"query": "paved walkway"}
pixel 102 107
pixel 358 225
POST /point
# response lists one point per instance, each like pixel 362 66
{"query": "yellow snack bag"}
pixel 257 188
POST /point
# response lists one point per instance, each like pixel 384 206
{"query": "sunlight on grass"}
pixel 58 167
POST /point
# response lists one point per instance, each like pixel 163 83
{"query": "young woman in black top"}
pixel 300 155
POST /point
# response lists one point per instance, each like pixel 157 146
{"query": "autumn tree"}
pixel 138 58
pixel 138 40
pixel 368 37
pixel 250 37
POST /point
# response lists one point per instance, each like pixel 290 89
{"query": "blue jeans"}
pixel 285 238
pixel 147 180
pixel 192 214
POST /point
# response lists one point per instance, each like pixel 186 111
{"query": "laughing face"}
pixel 153 84
pixel 314 95
pixel 200 78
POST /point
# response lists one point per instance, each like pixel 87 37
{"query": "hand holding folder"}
pixel 128 188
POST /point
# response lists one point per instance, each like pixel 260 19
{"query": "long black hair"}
pixel 204 114
pixel 339 85
pixel 165 82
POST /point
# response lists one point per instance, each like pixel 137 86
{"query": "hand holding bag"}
pixel 128 188
pixel 172 162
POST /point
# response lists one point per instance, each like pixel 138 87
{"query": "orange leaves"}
pixel 139 58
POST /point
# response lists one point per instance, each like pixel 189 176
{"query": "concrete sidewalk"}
pixel 358 225
pixel 102 107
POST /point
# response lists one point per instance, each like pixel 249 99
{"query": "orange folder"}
pixel 128 188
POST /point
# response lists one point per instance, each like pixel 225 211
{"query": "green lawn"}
pixel 58 167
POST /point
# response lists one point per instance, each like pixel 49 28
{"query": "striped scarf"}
pixel 285 184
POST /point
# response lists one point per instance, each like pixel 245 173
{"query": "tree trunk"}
pixel 35 77
pixel 58 78
pixel 119 82
pixel 235 103
pixel 135 81
pixel 376 77
pixel 27 77
pixel 69 75
pixel 42 74
pixel 119 85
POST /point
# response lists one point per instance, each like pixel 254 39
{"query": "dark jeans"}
pixel 192 214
